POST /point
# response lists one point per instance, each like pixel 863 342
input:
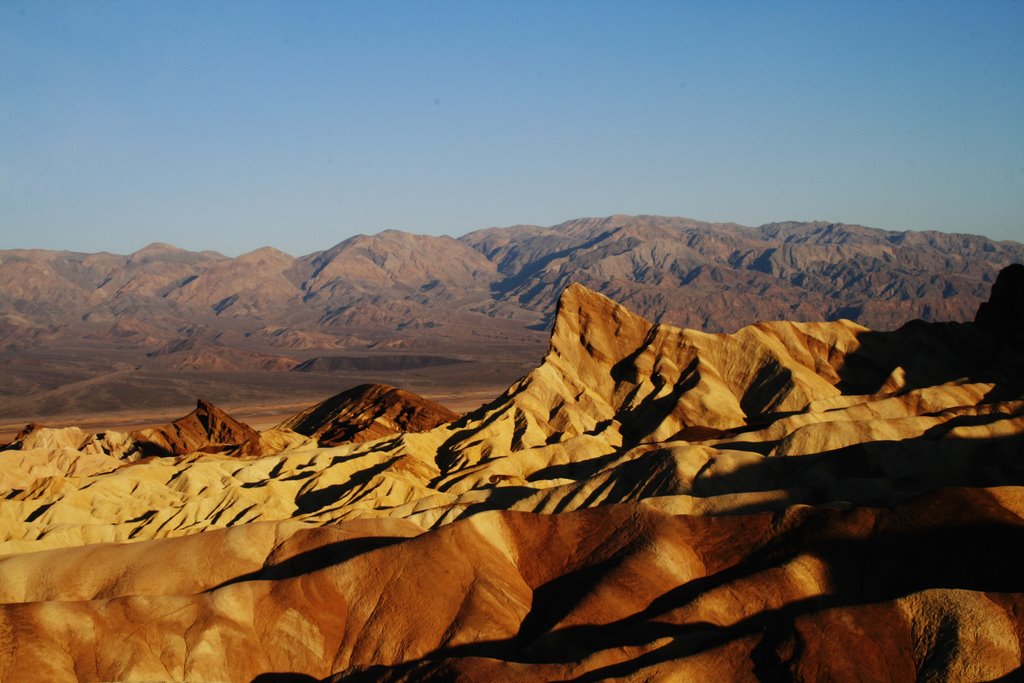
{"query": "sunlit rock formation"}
pixel 810 501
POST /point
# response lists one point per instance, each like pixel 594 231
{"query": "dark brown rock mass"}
pixel 207 428
pixel 367 412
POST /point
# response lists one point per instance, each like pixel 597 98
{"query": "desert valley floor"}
pixel 810 501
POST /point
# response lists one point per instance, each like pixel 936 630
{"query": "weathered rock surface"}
pixel 808 501
pixel 207 429
pixel 368 412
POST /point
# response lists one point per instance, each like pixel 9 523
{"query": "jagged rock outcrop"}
pixel 368 412
pixel 610 374
pixel 798 501
pixel 206 429
pixel 35 435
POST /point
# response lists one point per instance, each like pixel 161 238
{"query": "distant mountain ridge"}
pixel 720 276
pixel 661 265
pixel 400 293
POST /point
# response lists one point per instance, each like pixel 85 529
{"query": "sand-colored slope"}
pixel 926 588
pixel 649 502
pixel 608 417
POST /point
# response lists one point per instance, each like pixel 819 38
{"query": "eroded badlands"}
pixel 796 500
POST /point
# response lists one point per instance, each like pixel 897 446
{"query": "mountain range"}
pixel 409 308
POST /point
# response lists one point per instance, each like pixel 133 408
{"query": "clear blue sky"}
pixel 228 126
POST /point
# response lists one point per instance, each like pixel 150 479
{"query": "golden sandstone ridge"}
pixel 810 501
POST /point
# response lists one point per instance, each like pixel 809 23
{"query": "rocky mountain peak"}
pixel 207 428
pixel 591 323
pixel 367 412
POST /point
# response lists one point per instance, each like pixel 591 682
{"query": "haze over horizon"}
pixel 239 125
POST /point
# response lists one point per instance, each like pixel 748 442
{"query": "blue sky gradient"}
pixel 230 126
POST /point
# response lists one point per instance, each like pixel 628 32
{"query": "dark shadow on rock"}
pixel 959 539
pixel 941 430
pixel 316 559
pixel 649 475
pixel 696 433
pixel 986 350
pixel 644 418
pixel 876 473
pixel 1003 313
pixel 320 498
pixel 556 599
pixel 759 447
pixel 879 568
pixel 1015 676
pixel 928 353
pixel 767 389
pixel 582 469
pixel 468 426
pixel 500 498
pixel 285 677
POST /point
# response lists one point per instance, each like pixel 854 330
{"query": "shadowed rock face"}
pixel 794 501
pixel 368 412
pixel 1004 311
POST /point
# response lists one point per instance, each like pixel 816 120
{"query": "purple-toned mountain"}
pixel 721 276
pixel 67 318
